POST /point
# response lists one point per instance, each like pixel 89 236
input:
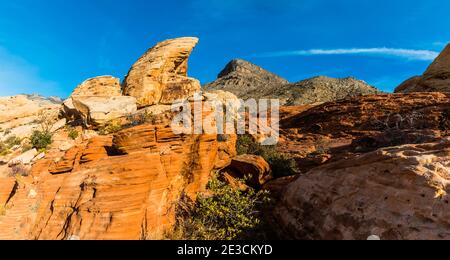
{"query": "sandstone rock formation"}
pixel 18 114
pixel 160 75
pixel 435 79
pixel 247 81
pixel 103 86
pixel 253 169
pixel 97 101
pixel 393 193
pixel 337 130
pixel 124 186
pixel 101 110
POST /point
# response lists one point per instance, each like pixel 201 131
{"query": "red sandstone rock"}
pixel 394 193
pixel 253 169
pixel 106 189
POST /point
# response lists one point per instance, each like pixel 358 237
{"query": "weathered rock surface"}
pixel 97 101
pixel 24 158
pixel 160 75
pixel 338 130
pixel 393 193
pixel 247 81
pixel 435 79
pixel 253 169
pixel 18 114
pixel 100 110
pixel 103 86
pixel 124 186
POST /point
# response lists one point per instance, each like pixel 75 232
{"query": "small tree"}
pixel 42 138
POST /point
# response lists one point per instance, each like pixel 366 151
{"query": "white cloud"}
pixel 18 76
pixel 409 54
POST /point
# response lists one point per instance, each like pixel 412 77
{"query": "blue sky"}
pixel 50 46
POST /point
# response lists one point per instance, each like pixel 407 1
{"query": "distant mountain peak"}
pixel 249 69
pixel 247 80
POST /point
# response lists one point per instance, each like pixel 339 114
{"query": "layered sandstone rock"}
pixel 97 101
pixel 160 75
pixel 124 186
pixel 435 79
pixel 103 86
pixel 98 111
pixel 393 193
pixel 337 130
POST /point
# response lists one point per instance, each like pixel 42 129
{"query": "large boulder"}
pixel 103 88
pixel 435 79
pixel 392 193
pixel 160 75
pixel 98 111
pixel 252 169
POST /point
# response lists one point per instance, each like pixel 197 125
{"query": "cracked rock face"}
pixel 393 193
pixel 121 186
pixel 435 79
pixel 160 75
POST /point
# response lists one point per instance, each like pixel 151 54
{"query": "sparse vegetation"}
pixel 8 144
pixel 19 170
pixel 224 213
pixel 2 210
pixel 111 127
pixel 41 140
pixel 282 164
pixel 141 118
pixel 73 133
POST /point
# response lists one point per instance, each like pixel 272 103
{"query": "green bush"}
pixel 111 127
pixel 13 141
pixel 225 214
pixel 41 139
pixel 282 164
pixel 73 133
pixel 4 150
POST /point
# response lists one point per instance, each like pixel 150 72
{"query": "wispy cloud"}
pixel 19 76
pixel 410 54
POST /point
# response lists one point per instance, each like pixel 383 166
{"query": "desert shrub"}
pixel 73 133
pixel 111 127
pixel 41 139
pixel 19 170
pixel 141 118
pixel 224 214
pixel 2 210
pixel 4 150
pixel 13 141
pixel 281 164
